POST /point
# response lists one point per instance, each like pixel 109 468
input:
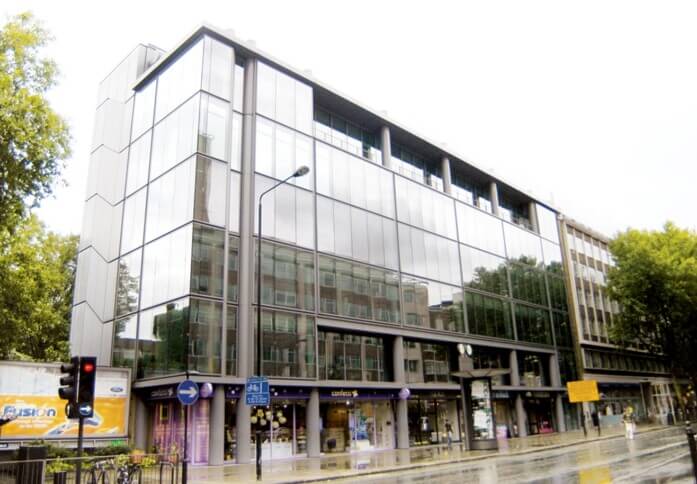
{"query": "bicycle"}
pixel 128 474
pixel 99 473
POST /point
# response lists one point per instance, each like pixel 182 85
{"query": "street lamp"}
pixel 303 170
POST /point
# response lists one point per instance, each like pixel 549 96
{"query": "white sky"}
pixel 591 105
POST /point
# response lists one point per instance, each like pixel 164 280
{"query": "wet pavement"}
pixel 657 455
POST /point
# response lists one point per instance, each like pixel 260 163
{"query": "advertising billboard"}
pixel 29 396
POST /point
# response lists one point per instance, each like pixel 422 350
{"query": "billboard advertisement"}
pixel 29 395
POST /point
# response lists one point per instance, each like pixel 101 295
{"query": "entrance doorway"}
pixel 539 411
pixel 354 425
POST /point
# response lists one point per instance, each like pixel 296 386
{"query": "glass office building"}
pixel 375 265
pixel 627 376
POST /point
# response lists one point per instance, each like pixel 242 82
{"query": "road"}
pixel 654 457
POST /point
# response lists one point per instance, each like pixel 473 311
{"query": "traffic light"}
pixel 68 389
pixel 86 382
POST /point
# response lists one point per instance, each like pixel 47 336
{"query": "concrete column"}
pixel 313 437
pixel 140 434
pixel 515 373
pixel 402 406
pixel 494 196
pixel 521 418
pixel 245 330
pixel 216 433
pixel 554 376
pixel 386 143
pixel 559 408
pixel 532 209
pixel 447 178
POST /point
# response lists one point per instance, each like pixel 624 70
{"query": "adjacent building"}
pixel 376 265
pixel 625 376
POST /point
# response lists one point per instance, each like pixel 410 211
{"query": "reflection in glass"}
pixel 426 362
pixel 217 68
pixel 427 255
pixel 557 292
pixel 528 283
pixel 533 369
pixel 207 261
pixel 171 200
pixel 213 130
pixel 133 221
pixel 357 291
pixel 484 271
pixel 422 207
pixel 179 81
pixel 489 316
pixel 562 329
pixel 138 163
pixel 354 233
pixel 209 195
pixel 351 357
pixel 234 223
pixel 283 99
pixel 288 277
pixel 143 110
pixel 174 139
pixel 166 268
pixel 523 246
pixel 552 254
pixel 533 324
pixel 231 341
pixel 128 283
pixel 124 347
pixel 281 151
pixel 432 305
pixel 547 221
pixel 482 413
pixel 480 229
pixel 288 213
pixel 233 269
pixel 288 342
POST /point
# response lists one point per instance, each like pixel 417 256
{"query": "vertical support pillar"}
pixel 245 330
pixel 216 433
pixel 532 214
pixel 515 373
pixel 521 418
pixel 447 178
pixel 402 406
pixel 386 143
pixel 494 196
pixel 559 408
pixel 140 434
pixel 554 376
pixel 313 433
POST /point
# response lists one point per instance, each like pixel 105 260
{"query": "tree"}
pixel 34 140
pixel 37 272
pixel 654 280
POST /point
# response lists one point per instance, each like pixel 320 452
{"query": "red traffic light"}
pixel 88 367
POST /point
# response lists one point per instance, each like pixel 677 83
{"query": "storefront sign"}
pixel 541 395
pixel 500 395
pixel 162 393
pixel 583 391
pixel 344 394
pixel 354 394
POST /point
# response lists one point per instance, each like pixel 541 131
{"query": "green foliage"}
pixel 37 270
pixel 59 465
pixel 655 283
pixel 34 140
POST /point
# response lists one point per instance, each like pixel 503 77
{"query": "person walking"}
pixel 449 433
pixel 629 423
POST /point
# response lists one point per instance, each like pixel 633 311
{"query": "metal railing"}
pixel 121 469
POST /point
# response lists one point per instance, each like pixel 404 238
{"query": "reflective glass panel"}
pixel 420 206
pixel 282 98
pixel 288 277
pixel 288 213
pixel 480 229
pixel 138 163
pixel 143 110
pixel 133 221
pixel 217 68
pixel 484 271
pixel 123 353
pixel 281 151
pixel 128 283
pixel 522 246
pixel 533 324
pixel 207 261
pixel 547 220
pixel 171 200
pixel 179 81
pixel 213 132
pixel 209 196
pixel 432 305
pixel 166 268
pixel 489 316
pixel 288 342
pixel 426 362
pixel 174 138
pixel 528 284
pixel 427 255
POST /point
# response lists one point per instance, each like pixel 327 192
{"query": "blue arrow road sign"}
pixel 257 391
pixel 187 392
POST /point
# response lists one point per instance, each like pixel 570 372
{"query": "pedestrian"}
pixel 629 423
pixel 449 432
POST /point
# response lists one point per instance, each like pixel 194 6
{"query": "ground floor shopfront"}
pixel 339 420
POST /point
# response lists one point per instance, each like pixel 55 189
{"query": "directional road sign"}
pixel 258 391
pixel 187 392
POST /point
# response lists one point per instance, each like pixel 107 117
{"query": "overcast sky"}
pixel 590 105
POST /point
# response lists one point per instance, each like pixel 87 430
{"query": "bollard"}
pixel 693 446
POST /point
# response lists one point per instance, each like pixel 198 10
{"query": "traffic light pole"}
pixel 78 467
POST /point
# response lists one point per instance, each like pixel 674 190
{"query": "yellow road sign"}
pixel 583 391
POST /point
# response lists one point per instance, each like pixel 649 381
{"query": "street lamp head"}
pixel 303 170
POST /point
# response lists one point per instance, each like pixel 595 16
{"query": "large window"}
pixel 351 357
pixel 533 369
pixel 281 151
pixel 166 268
pixel 336 130
pixel 484 271
pixel 288 345
pixel 533 324
pixel 213 134
pixel 426 362
pixel 128 283
pixel 133 221
pixel 283 99
pixel 426 208
pixel 174 138
pixel 123 353
pixel 352 180
pixel 181 79
pixel 358 291
pixel 547 221
pixel 528 284
pixel 207 261
pixel 143 110
pixel 562 329
pixel 288 213
pixel 432 305
pixel 217 68
pixel 356 234
pixel 288 277
pixel 480 229
pixel 138 163
pixel 485 358
pixel 427 255
pixel 557 292
pixel 489 316
pixel 166 331
pixel 522 246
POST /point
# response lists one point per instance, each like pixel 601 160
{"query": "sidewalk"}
pixel 338 466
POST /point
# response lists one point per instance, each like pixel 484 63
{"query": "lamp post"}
pixel 303 170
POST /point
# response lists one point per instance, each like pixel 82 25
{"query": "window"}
pixel 128 283
pixel 174 138
pixel 528 284
pixel 484 271
pixel 288 277
pixel 428 255
pixel 433 305
pixel 283 99
pixel 143 110
pixel 280 151
pixel 426 208
pixel 480 229
pixel 181 79
pixel 166 268
pixel 351 357
pixel 133 221
pixel 489 316
pixel 533 324
pixel 288 342
pixel 217 68
pixel 426 362
pixel 522 246
pixel 138 163
pixel 288 213
pixel 207 261
pixel 124 347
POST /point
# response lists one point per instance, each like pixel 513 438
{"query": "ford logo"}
pixel 116 389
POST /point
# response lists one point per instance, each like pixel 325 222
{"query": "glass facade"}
pixel 351 357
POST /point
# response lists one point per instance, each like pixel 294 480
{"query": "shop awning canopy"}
pixel 482 373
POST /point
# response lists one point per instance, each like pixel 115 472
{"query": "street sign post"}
pixel 583 391
pixel 187 392
pixel 257 391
